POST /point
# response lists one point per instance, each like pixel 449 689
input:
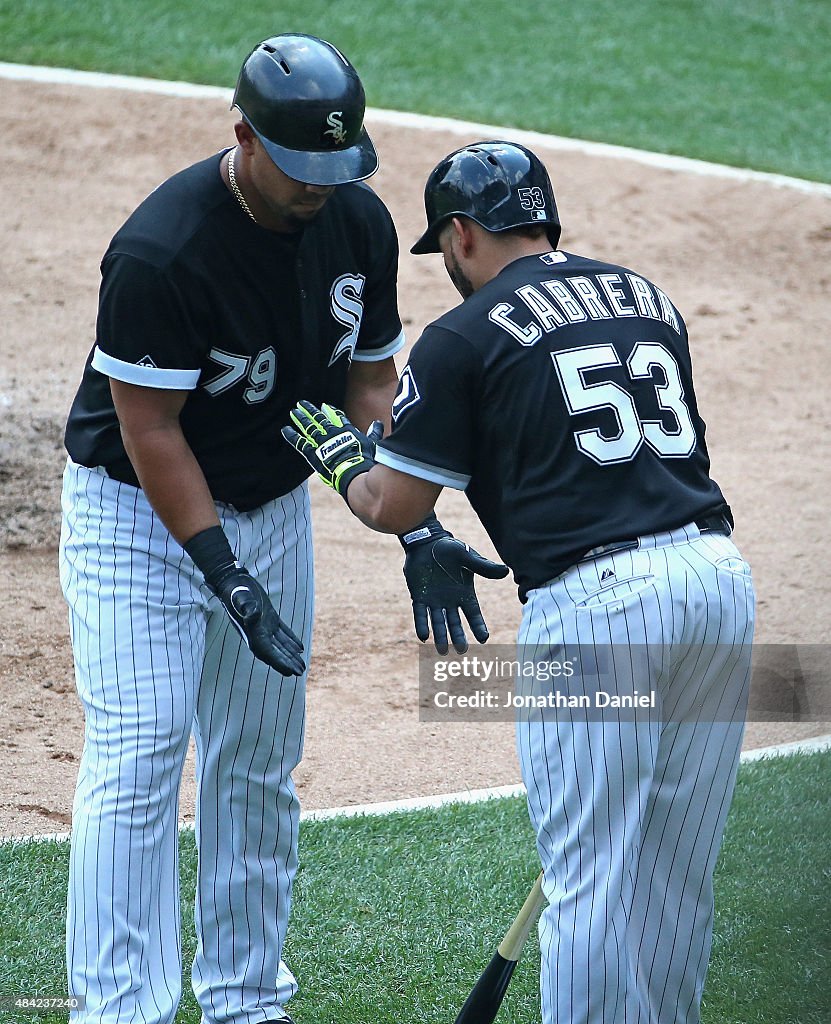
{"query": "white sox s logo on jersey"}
pixel 348 309
pixel 336 129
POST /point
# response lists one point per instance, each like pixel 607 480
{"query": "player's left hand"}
pixel 439 572
pixel 335 449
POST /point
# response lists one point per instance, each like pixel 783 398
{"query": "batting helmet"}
pixel 306 104
pixel 500 185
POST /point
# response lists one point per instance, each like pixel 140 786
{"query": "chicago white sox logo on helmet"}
pixel 336 129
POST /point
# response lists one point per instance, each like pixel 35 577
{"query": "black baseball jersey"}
pixel 559 396
pixel 196 296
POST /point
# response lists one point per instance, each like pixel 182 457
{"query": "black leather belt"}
pixel 713 522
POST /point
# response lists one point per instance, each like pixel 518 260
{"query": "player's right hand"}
pixel 335 449
pixel 251 611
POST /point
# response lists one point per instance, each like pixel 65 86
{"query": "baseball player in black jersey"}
pixel 559 396
pixel 261 275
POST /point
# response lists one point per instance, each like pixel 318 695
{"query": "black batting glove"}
pixel 247 605
pixel 335 449
pixel 439 571
pixel 250 609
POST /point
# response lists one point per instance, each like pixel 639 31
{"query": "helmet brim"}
pixel 325 167
pixel 429 241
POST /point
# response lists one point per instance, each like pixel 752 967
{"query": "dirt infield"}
pixel 746 261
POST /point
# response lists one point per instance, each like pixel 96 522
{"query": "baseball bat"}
pixel 482 1005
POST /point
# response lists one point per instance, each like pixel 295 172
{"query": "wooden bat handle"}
pixel 511 946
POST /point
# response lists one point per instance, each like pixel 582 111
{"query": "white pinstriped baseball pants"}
pixel 629 810
pixel 156 658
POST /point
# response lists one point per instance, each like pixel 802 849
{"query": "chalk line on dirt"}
pixel 470 796
pixel 421 122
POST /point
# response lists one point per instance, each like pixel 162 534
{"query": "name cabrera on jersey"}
pixel 560 397
pixel 196 296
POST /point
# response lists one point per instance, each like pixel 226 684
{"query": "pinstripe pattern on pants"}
pixel 629 809
pixel 157 659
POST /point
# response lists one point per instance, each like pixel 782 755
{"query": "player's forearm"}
pixel 388 502
pixel 366 499
pixel 172 480
pixel 370 390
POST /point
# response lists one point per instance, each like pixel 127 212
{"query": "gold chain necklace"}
pixel 232 178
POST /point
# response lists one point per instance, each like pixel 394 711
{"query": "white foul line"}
pixel 422 122
pixel 475 796
pixel 468 796
pixel 811 746
pixel 415 803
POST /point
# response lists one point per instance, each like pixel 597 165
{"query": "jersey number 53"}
pixel 571 367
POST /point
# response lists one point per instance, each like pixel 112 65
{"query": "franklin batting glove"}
pixel 439 571
pixel 335 449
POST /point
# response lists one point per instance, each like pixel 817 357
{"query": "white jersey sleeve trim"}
pixel 423 470
pixel 145 376
pixel 375 355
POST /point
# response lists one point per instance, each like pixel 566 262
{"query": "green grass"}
pixel 394 917
pixel 742 82
pixel 771 957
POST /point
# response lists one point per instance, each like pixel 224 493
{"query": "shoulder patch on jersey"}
pixel 407 394
pixel 550 258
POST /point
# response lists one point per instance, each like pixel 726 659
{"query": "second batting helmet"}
pixel 500 185
pixel 306 103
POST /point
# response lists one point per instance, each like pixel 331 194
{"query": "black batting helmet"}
pixel 500 185
pixel 306 103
